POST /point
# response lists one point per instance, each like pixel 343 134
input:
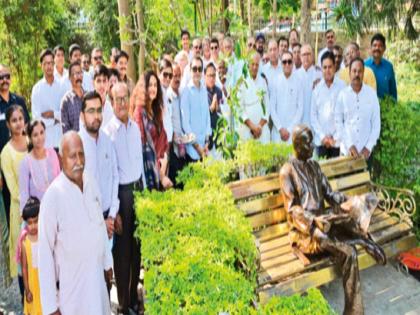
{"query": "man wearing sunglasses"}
pixel 195 114
pixel 286 103
pixel 96 59
pixel 196 52
pixel 214 50
pixel 165 77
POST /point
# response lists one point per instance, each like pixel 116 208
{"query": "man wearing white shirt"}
pixel 357 115
pixel 125 135
pixel 272 69
pixel 46 98
pixel 101 85
pixel 185 43
pixel 195 114
pixel 60 72
pixel 283 44
pixel 73 244
pixel 323 105
pixel 100 157
pixel 234 66
pixel 254 105
pixel 165 77
pixel 310 75
pixel 286 109
pixel 330 41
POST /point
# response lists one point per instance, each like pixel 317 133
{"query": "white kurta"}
pixel 251 108
pixel 167 116
pixel 107 113
pixel 357 118
pixel 286 106
pixel 324 99
pixel 46 97
pixel 73 249
pixel 308 77
pixel 272 74
pixel 320 53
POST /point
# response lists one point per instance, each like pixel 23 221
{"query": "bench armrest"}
pixel 396 201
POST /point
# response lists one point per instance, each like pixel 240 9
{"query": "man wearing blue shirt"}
pixel 383 69
pixel 195 114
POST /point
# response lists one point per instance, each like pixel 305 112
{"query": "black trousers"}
pixel 327 153
pixel 176 164
pixel 126 253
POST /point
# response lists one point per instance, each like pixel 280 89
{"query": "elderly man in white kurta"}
pixel 286 104
pixel 73 249
pixel 357 115
pixel 310 75
pixel 324 99
pixel 254 105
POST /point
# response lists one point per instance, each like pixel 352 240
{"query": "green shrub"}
pixel 197 248
pixel 397 154
pixel 313 303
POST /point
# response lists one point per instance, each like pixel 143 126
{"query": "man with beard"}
pixel 74 257
pixel 71 103
pixel 259 43
pixel 357 115
pixel 100 157
pixel 382 68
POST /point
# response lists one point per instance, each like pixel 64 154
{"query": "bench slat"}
pixel 350 181
pixel 343 167
pixel 268 218
pixel 258 205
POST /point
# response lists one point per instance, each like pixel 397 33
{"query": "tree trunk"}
pixel 274 18
pixel 242 9
pixel 250 17
pixel 125 35
pixel 305 23
pixel 140 25
pixel 225 7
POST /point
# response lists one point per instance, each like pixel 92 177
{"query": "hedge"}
pixel 197 248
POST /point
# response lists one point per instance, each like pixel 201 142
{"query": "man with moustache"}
pixel 177 151
pixel 122 62
pixel 74 257
pixel 260 43
pixel 330 41
pixel 357 115
pixel 71 103
pixel 382 68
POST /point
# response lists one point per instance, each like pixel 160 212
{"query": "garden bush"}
pixel 197 247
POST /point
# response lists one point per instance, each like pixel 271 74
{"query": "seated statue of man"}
pixel 336 231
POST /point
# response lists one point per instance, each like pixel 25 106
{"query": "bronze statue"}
pixel 314 229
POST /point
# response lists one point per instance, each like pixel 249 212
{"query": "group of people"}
pixel 96 138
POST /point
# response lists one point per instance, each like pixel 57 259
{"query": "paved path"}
pixel 386 291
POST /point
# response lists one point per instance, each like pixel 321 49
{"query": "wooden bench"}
pixel 280 271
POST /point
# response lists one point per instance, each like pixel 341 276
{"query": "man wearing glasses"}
pixel 71 104
pixel 96 60
pixel 195 114
pixel 165 77
pixel 286 103
pixel 214 50
pixel 125 135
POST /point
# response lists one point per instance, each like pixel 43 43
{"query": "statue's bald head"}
pixel 72 156
pixel 302 139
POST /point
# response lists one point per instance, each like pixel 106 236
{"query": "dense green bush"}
pixel 313 303
pixel 197 247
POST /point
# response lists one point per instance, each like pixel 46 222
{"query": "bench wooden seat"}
pixel 280 271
